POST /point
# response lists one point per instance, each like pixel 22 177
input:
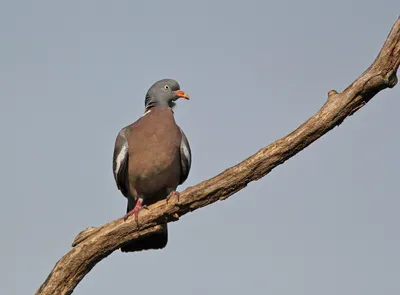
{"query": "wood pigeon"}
pixel 152 157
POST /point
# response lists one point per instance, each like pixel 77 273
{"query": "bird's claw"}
pixel 135 211
pixel 172 194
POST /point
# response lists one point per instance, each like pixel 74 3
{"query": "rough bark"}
pixel 94 244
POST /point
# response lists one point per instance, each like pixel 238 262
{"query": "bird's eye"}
pixel 166 87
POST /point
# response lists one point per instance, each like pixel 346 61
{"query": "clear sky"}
pixel 74 72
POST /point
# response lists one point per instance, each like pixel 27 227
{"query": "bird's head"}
pixel 164 93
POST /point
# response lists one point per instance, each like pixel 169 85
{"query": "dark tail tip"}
pixel 156 241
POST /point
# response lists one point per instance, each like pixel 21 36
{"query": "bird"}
pixel 151 158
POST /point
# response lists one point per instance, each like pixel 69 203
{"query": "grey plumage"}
pixel 152 156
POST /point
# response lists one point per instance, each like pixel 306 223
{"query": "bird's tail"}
pixel 157 240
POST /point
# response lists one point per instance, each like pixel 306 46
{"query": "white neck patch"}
pixel 148 111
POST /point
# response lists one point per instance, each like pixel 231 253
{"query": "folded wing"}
pixel 186 158
pixel 120 162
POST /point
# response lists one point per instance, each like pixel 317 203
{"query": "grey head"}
pixel 164 93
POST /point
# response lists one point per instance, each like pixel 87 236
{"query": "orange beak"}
pixel 182 94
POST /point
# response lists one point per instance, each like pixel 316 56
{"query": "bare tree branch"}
pixel 94 244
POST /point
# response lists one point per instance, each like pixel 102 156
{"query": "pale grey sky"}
pixel 74 72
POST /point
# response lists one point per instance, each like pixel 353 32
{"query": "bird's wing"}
pixel 120 162
pixel 186 158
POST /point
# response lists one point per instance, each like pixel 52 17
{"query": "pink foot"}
pixel 173 194
pixel 136 210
